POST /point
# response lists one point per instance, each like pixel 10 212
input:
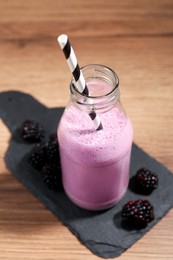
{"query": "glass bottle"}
pixel 95 164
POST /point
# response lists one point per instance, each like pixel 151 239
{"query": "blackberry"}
pixel 146 181
pixel 138 213
pixel 52 151
pixel 37 156
pixel 32 131
pixel 52 177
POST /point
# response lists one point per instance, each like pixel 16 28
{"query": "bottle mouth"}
pixel 103 86
pixel 99 74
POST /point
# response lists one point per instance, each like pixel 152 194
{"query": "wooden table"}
pixel 132 37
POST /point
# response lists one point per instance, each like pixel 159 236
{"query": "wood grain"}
pixel 132 37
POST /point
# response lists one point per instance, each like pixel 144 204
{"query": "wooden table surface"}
pixel 132 37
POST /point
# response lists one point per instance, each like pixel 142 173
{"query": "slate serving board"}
pixel 101 232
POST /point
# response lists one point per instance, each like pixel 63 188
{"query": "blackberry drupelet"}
pixel 53 137
pixel 138 213
pixel 146 181
pixel 32 131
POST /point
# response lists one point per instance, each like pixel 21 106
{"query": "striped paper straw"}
pixel 78 75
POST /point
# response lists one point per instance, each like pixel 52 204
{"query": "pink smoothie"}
pixel 95 164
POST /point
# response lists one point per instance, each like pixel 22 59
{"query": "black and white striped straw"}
pixel 72 62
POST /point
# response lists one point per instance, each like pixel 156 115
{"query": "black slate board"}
pixel 102 232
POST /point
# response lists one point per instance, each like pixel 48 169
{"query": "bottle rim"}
pixel 115 84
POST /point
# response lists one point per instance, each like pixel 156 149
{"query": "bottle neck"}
pixel 103 86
